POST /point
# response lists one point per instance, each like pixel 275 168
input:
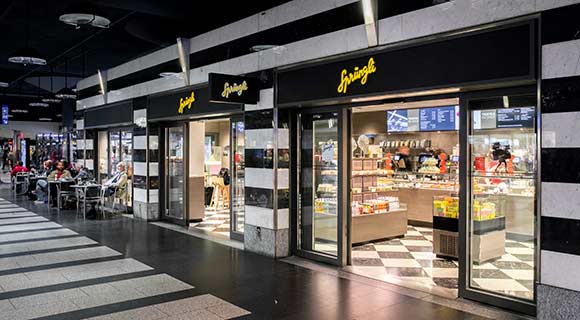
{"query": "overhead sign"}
pixel 357 74
pixel 232 89
pixel 433 65
pixel 5 111
pixel 186 103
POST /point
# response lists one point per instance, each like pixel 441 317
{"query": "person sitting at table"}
pixel 83 173
pixel 18 168
pixel 41 189
pixel 117 182
pixel 46 168
pixel 59 173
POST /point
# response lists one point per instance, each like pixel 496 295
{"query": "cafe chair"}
pixel 21 183
pixel 64 192
pixel 91 195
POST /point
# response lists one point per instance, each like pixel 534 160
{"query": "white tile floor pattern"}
pixel 23 235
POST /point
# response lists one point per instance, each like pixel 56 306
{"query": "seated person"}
pixel 117 182
pixel 18 168
pixel 83 173
pixel 41 188
pixel 59 173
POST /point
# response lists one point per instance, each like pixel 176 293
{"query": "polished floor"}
pixel 410 261
pixel 59 266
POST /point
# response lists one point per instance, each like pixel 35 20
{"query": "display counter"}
pixel 377 226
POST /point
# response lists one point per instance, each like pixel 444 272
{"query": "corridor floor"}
pixel 57 266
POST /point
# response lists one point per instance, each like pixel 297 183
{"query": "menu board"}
pixel 515 117
pixel 403 120
pixel 439 119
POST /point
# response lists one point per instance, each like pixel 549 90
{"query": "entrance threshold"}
pixel 192 232
pixel 455 303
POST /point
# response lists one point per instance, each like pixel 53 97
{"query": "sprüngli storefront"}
pixel 417 164
pixel 201 134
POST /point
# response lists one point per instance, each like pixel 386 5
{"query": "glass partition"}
pixel 318 183
pixel 502 147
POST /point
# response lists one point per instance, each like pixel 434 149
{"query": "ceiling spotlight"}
pixel 66 93
pixel 171 75
pixel 39 104
pixel 262 47
pixel 4 84
pixel 26 56
pixel 44 119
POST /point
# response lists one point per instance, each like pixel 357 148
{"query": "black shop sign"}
pixel 224 88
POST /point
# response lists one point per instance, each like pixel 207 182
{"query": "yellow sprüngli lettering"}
pixel 235 88
pixel 186 102
pixel 346 78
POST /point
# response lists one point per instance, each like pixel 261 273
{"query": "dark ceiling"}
pixel 137 27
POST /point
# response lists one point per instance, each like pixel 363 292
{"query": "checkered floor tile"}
pixel 411 258
pixel 217 222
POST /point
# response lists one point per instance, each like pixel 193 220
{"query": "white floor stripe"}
pixel 32 235
pixel 22 220
pixel 42 278
pixel 41 259
pixel 29 227
pixel 22 247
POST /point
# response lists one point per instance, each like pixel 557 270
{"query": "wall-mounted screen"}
pixel 516 117
pixel 403 120
pixel 439 118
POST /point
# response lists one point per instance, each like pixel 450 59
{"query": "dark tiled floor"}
pixel 269 289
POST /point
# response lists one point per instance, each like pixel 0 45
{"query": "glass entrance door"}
pixel 174 167
pixel 320 227
pixel 500 199
pixel 237 136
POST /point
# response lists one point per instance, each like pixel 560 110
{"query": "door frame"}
pixel 343 187
pixel 465 291
pixel 163 172
pixel 235 235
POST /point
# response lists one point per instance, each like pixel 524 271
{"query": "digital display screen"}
pixel 484 119
pixel 404 120
pixel 515 117
pixel 439 118
pixel 5 111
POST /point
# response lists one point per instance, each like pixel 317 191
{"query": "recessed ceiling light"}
pixel 66 93
pixel 19 111
pixel 39 104
pixel 171 75
pixel 51 100
pixel 262 47
pixel 4 84
pixel 44 119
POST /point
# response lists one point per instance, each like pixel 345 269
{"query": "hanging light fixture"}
pixel 84 14
pixel 27 55
pixel 52 98
pixel 66 92
pixel 4 84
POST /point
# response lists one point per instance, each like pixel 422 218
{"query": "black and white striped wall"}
pixel 145 168
pixel 267 219
pixel 559 287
